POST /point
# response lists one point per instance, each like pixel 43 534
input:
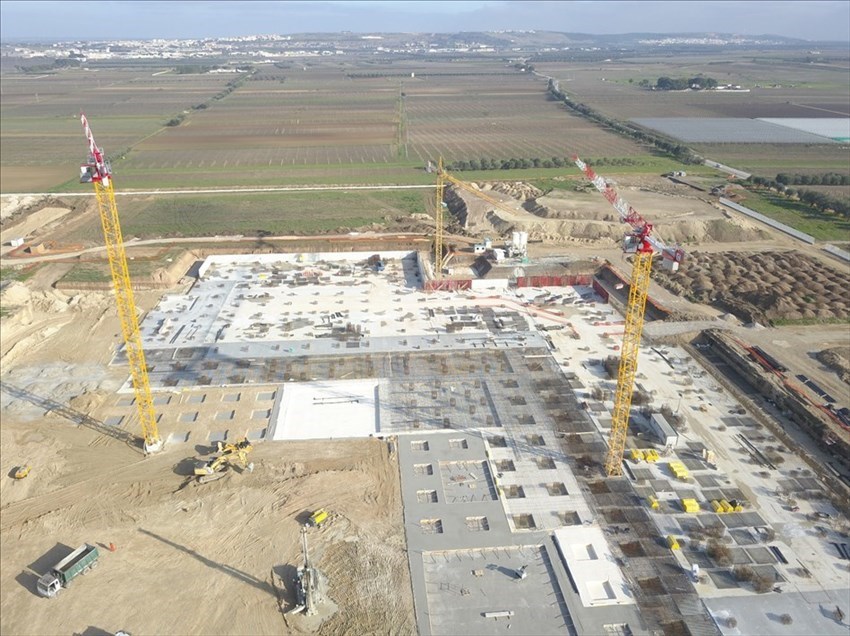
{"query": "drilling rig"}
pixel 98 171
pixel 643 245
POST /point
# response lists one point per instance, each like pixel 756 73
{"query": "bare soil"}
pixel 838 360
pixel 579 218
pixel 217 558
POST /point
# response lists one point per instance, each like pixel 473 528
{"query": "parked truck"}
pixel 80 561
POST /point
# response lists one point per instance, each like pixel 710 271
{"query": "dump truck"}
pixel 80 561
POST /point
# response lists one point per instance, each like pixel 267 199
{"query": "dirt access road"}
pixel 206 558
pixel 190 559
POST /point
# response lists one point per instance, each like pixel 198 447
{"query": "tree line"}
pixel 231 86
pixel 679 152
pixel 514 163
pixel 827 179
pixel 680 83
pixel 817 200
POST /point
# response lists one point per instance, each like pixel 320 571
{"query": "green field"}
pixel 259 213
pixel 821 225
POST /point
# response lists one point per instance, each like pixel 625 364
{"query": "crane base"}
pixel 154 447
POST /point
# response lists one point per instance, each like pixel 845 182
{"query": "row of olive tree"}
pixel 514 163
pixel 828 179
pixel 818 200
pixel 678 151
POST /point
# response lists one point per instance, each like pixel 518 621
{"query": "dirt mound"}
pixel 762 287
pixel 515 189
pixel 563 216
pixel 837 359
pixel 13 205
pixel 15 294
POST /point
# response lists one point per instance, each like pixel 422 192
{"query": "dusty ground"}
pixel 190 559
pixel 222 549
pixel 564 217
pixel 837 359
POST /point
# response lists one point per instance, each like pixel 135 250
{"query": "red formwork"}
pixel 600 290
pixel 447 285
pixel 554 281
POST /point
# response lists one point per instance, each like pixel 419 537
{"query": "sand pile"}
pixel 837 359
pixel 514 189
pixel 13 204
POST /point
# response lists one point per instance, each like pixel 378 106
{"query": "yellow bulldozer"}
pixel 228 455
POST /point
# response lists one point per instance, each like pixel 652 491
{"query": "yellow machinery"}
pixel 318 518
pixel 643 245
pixel 21 471
pixel 672 542
pixel 439 257
pixel 98 172
pixel 229 454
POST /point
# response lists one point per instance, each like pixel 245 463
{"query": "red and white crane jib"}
pixel 642 229
pixel 99 169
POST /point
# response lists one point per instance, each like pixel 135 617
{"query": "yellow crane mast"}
pixel 439 257
pixel 98 172
pixel 643 245
pixel 444 177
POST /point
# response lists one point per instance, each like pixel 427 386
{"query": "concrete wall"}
pixel 790 231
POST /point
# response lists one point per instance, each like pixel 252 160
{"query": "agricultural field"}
pixel 780 86
pixel 323 122
pixel 500 116
pixel 41 141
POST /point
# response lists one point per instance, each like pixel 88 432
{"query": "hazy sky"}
pixel 92 19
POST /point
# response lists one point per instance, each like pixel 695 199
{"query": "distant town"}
pixel 268 48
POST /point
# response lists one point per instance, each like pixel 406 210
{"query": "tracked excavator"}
pixel 228 455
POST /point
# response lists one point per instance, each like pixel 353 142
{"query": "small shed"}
pixel 662 431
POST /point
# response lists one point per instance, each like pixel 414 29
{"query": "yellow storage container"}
pixel 727 507
pixel 651 455
pixel 637 455
pixel 690 505
pixel 715 505
pixel 672 542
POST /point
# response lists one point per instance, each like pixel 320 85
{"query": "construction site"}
pixel 479 438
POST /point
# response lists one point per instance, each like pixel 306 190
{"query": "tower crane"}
pixel 99 172
pixel 643 245
pixel 440 259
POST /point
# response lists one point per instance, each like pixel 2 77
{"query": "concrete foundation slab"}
pixel 480 592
